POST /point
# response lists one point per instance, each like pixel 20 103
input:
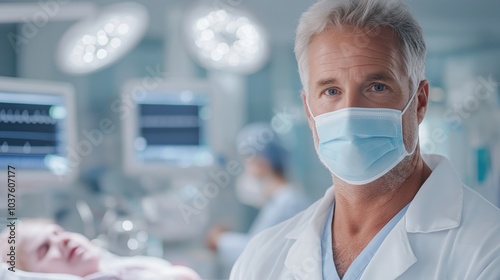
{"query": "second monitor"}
pixel 168 128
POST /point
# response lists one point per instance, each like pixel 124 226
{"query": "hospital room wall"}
pixel 472 79
pixel 465 124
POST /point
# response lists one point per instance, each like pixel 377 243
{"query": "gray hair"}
pixel 363 14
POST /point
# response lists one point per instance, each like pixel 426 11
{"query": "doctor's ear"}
pixel 423 100
pixel 303 95
pixel 310 119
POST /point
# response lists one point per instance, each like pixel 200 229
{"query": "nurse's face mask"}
pixel 360 145
pixel 251 191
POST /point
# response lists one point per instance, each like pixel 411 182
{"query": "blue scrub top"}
pixel 358 266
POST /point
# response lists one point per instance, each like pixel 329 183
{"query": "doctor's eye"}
pixel 331 92
pixel 379 87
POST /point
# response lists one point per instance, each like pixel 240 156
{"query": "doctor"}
pixel 264 186
pixel 392 214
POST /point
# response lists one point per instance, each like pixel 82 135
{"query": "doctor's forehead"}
pixel 336 50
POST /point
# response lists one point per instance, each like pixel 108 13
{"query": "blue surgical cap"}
pixel 266 143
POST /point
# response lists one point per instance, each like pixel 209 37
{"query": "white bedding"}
pixel 117 268
pixel 6 274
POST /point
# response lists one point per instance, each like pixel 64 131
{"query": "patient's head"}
pixel 46 247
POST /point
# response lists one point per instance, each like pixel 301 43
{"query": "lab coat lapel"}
pixel 393 258
pixel 437 206
pixel 304 259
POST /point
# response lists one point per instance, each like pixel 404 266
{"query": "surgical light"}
pixel 99 41
pixel 226 40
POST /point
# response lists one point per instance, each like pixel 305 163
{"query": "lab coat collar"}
pixel 430 210
pixel 434 210
pixel 393 257
pixel 304 259
pixel 317 218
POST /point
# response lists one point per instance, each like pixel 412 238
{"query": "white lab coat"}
pixel 285 203
pixel 448 232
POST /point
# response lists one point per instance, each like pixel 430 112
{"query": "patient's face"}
pixel 48 248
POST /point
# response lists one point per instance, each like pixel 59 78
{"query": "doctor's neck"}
pixel 383 198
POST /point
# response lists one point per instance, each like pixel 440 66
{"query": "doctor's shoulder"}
pixel 481 218
pixel 478 214
pixel 474 246
pixel 268 249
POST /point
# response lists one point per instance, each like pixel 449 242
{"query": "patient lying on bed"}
pixel 42 246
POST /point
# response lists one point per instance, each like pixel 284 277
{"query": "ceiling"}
pixel 449 25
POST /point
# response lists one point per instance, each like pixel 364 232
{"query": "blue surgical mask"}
pixel 360 145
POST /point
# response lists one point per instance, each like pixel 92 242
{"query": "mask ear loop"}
pixel 409 102
pixel 402 113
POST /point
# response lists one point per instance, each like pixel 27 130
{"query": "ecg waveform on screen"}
pixel 26 117
pixel 26 149
pixel 27 129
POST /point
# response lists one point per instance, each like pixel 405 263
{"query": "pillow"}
pixel 6 274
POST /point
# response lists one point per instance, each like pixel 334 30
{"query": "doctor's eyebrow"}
pixel 326 82
pixel 380 76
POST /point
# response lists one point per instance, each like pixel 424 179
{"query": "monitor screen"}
pixel 34 128
pixel 169 128
pixel 172 128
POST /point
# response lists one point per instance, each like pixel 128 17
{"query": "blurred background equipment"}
pixel 168 127
pixel 102 39
pixel 37 132
pixel 226 39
